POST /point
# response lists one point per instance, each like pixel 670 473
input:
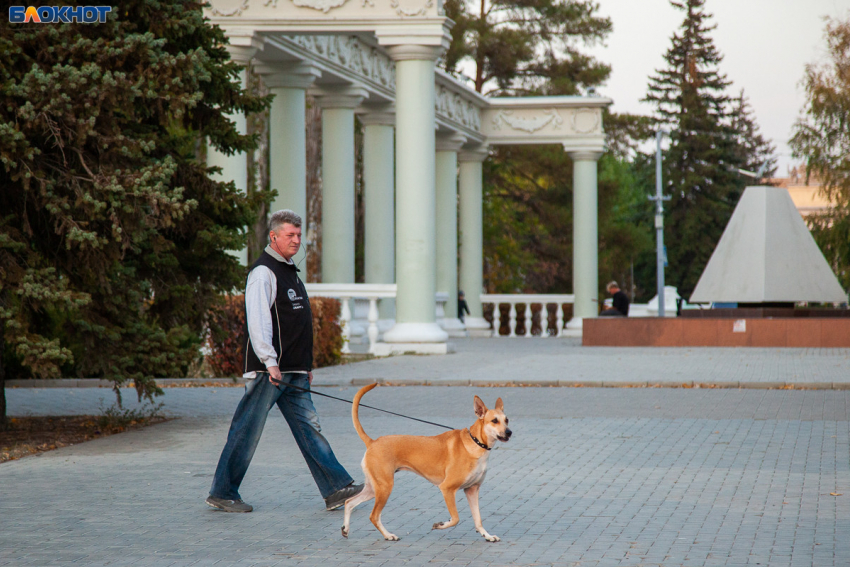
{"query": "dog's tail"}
pixel 355 414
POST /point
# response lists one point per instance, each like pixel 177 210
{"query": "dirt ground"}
pixel 26 436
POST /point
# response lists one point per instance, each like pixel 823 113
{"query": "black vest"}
pixel 292 321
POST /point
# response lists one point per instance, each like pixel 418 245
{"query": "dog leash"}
pixel 311 391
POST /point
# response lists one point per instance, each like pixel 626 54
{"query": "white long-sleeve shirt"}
pixel 260 295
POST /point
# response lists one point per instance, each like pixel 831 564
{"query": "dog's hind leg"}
pixel 366 494
pixel 383 486
pixel 472 497
pixel 451 503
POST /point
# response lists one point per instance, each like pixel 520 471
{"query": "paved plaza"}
pixel 593 476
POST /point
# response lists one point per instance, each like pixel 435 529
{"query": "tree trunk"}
pixel 313 230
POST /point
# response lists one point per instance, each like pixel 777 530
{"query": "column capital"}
pixel 346 97
pixel 296 77
pixel 479 154
pixel 414 52
pixel 242 48
pixel 585 154
pixel 450 142
pixel 378 115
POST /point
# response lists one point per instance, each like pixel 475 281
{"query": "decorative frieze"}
pixel 528 124
pixel 451 105
pixel 380 9
pixel 351 53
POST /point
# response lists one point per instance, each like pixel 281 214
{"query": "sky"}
pixel 765 44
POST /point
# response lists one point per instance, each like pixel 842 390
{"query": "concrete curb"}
pixel 359 382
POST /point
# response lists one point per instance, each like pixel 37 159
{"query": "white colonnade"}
pixel 422 194
pixel 416 326
pixel 379 201
pixel 447 212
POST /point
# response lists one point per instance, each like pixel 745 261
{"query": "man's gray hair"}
pixel 611 284
pixel 282 217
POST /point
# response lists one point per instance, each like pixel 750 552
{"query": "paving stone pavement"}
pixel 565 361
pixel 592 477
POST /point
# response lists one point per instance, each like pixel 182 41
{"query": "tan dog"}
pixel 453 460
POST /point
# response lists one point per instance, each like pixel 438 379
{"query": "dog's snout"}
pixel 508 433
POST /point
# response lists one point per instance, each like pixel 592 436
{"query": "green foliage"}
pixel 529 230
pixel 527 47
pixel 114 238
pixel 822 138
pixel 521 48
pixel 711 140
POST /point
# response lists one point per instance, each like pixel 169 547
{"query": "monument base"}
pixel 803 332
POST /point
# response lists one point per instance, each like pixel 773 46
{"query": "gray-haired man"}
pixel 278 355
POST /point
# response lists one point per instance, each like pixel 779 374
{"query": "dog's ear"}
pixel 499 405
pixel 480 408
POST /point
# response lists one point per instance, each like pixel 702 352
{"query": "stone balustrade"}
pixel 348 292
pixel 525 317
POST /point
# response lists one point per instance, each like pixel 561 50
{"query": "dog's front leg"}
pixel 472 497
pixel 451 503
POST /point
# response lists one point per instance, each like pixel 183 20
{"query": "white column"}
pixel 338 183
pixel 446 173
pixel 379 201
pixel 288 139
pixel 471 190
pixel 585 238
pixel 415 199
pixel 235 167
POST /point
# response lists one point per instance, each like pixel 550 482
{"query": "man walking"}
pixel 279 358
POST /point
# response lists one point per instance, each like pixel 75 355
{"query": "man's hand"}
pixel 310 378
pixel 274 376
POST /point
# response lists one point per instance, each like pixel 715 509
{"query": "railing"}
pixel 345 293
pixel 527 316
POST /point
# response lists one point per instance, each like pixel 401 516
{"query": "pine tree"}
pixel 700 166
pixel 113 236
pixel 755 152
pixel 822 138
pixel 527 48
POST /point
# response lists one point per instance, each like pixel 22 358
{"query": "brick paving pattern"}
pixel 592 476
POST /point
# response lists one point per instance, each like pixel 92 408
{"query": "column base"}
pixel 416 333
pixel 477 327
pixel 454 327
pixel 389 349
pixel 573 328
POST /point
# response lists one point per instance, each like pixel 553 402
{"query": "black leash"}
pixel 311 391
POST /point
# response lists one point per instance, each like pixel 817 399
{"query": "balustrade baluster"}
pixel 345 319
pixel 544 320
pixel 559 320
pixel 512 320
pixel 373 323
pixel 528 320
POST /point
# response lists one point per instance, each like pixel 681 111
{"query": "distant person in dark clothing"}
pixel 620 301
pixel 461 305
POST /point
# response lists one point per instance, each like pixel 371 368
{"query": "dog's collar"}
pixel 479 443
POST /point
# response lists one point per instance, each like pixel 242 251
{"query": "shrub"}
pixel 227 326
pixel 227 337
pixel 327 332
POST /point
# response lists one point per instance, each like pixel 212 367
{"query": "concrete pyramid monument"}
pixel 767 255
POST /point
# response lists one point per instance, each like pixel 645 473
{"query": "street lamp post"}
pixel 659 222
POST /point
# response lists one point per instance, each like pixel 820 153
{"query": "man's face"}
pixel 286 240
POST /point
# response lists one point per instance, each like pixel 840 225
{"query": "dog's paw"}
pixel 391 537
pixel 492 538
pixel 344 532
pixel 441 525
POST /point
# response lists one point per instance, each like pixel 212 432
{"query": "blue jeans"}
pixel 247 426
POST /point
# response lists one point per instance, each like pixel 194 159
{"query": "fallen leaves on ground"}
pixel 33 435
